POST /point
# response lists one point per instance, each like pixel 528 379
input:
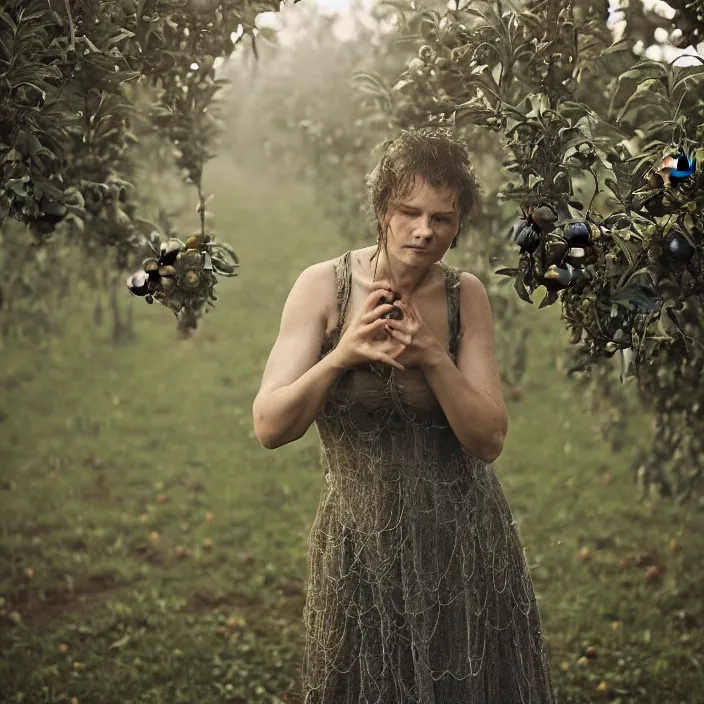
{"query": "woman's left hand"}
pixel 422 347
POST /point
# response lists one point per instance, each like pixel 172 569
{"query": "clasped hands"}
pixel 421 347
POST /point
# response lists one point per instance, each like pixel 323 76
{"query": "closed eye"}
pixel 440 218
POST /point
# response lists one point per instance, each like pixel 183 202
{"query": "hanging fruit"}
pixel 556 268
pixel 674 169
pixel 167 270
pixel 168 285
pixel 138 283
pixel 578 236
pixel 168 251
pixel 151 266
pixel 193 242
pixel 683 169
pixel 677 247
pixel 544 218
pixel 655 180
pixel 182 277
pixel 526 235
pixel 557 278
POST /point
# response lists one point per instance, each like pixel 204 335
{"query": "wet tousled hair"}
pixel 431 152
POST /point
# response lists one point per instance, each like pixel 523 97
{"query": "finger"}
pixel 374 325
pixel 407 307
pixel 397 334
pixel 404 326
pixel 391 361
pixel 409 312
pixel 372 315
pixel 374 298
pixel 402 305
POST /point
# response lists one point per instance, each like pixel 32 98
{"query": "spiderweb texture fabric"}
pixel 417 589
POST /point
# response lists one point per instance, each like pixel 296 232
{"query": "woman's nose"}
pixel 424 227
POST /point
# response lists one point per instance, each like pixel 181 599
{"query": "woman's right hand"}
pixel 365 340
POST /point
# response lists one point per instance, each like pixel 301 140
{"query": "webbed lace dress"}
pixel 417 586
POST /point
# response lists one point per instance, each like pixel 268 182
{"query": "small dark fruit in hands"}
pixel 395 313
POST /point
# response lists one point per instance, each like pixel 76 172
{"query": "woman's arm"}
pixel 296 383
pixel 470 391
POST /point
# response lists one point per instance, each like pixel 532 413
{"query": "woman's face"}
pixel 423 224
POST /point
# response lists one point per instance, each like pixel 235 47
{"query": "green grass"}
pixel 94 433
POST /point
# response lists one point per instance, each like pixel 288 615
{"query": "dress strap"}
pixel 343 287
pixel 452 287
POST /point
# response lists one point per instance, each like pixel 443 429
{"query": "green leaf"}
pixel 621 45
pixel 571 109
pixel 482 75
pixel 35 15
pixel 643 68
pixel 534 180
pixel 508 271
pixel 521 290
pixel 7 19
pixel 90 44
pixel 693 72
pixel 371 84
pixel 17 185
pixel 630 249
pixel 102 136
pixel 122 34
pixel 641 91
pixel 513 111
pixel 468 113
pixel 5 50
pixel 640 160
pixel 49 189
pixel 549 299
pixel 538 103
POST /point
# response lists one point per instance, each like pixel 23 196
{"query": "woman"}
pixel 417 587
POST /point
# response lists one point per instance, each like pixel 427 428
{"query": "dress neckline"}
pixel 343 279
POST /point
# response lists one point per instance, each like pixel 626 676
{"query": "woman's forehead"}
pixel 423 193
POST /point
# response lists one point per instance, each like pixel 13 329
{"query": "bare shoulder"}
pixel 322 271
pixel 468 280
pixel 323 285
pixel 475 306
pixel 472 290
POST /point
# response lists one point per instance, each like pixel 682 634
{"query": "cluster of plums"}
pixel 180 269
pixel 564 252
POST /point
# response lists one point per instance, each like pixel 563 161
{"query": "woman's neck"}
pixel 406 281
